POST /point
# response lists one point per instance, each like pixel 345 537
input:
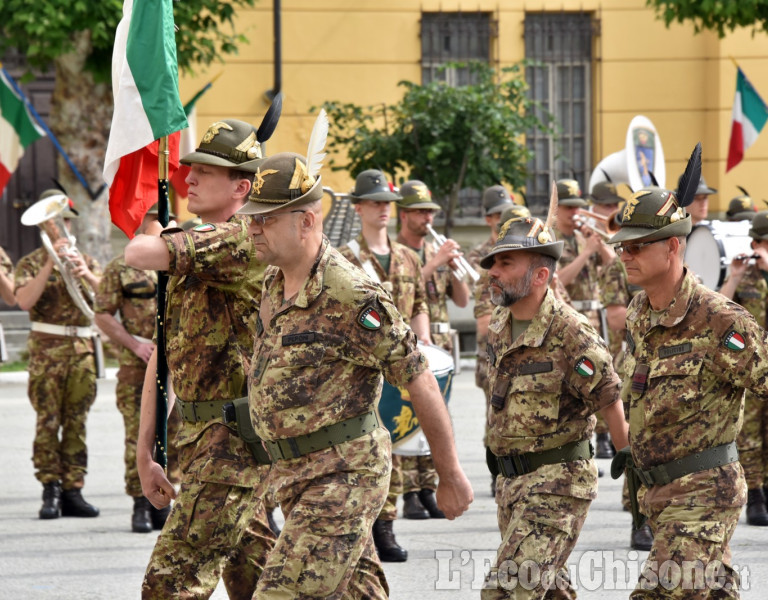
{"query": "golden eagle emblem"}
pixel 213 131
pixel 258 178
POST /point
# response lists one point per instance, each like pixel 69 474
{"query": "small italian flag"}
pixel 370 319
pixel 735 341
pixel 748 118
pixel 585 367
pixel 17 128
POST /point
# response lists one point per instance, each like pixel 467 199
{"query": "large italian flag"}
pixel 145 83
pixel 17 128
pixel 748 118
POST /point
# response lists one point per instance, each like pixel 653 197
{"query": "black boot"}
pixel 412 506
pixel 159 516
pixel 272 523
pixel 604 447
pixel 756 512
pixel 427 498
pixel 74 505
pixel 386 546
pixel 141 521
pixel 641 539
pixel 51 508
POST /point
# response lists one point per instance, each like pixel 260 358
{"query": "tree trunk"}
pixel 81 115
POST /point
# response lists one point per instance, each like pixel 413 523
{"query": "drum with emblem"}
pixel 396 411
pixel 711 247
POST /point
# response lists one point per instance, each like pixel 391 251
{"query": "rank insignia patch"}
pixel 205 227
pixel 369 318
pixel 584 367
pixel 734 341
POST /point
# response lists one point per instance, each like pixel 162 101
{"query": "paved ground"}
pixel 100 558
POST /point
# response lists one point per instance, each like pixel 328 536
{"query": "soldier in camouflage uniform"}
pixel 415 211
pixel 549 372
pixel 747 284
pixel 325 327
pixel 217 527
pixel 398 270
pixel 6 293
pixel 584 253
pixel 132 293
pixel 691 354
pixel 62 370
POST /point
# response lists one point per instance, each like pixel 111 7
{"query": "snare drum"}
pixel 712 246
pixel 396 411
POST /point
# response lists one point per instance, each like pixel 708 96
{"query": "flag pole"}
pixel 49 133
pixel 163 214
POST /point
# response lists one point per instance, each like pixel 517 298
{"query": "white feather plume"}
pixel 315 154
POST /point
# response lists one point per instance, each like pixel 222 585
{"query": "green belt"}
pixel 194 412
pixel 693 463
pixel 323 438
pixel 520 464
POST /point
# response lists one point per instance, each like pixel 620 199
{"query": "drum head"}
pixel 711 247
pixel 396 411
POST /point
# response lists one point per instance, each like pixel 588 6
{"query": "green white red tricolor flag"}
pixel 145 83
pixel 748 118
pixel 17 128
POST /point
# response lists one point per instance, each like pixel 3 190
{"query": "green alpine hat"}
pixel 372 185
pixel 514 212
pixel 741 208
pixel 569 193
pixel 604 192
pixel 496 199
pixel 759 229
pixel 282 181
pixel 654 213
pixel 416 194
pixel 69 212
pixel 228 143
pixel 524 233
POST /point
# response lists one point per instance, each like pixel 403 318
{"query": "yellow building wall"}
pixel 359 51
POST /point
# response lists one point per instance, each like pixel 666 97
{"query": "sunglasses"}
pixel 633 249
pixel 262 220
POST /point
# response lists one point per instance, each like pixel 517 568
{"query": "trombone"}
pixel 462 266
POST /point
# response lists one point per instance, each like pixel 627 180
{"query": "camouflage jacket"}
pixel 752 294
pixel 439 287
pixel 403 282
pixel 686 375
pixel 319 359
pixel 132 293
pixel 55 305
pixel 213 291
pixel 546 384
pixel 481 290
pixel 6 266
pixel 585 286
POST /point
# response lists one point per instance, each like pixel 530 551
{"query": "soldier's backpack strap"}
pixel 367 265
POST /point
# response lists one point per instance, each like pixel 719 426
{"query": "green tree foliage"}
pixel 449 137
pixel 43 31
pixel 721 16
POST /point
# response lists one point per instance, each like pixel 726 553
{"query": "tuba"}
pixel 46 214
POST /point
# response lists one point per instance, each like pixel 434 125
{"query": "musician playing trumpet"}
pixel 416 212
pixel 62 369
pixel 747 285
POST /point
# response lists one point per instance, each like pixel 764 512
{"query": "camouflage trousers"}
pixel 690 557
pixel 481 379
pixel 389 510
pixel 62 388
pixel 214 531
pixel 539 532
pixel 418 473
pixel 753 442
pixel 325 549
pixel 130 381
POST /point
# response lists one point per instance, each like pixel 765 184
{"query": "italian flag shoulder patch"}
pixel 734 341
pixel 585 367
pixel 369 318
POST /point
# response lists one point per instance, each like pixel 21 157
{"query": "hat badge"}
pixel 258 178
pixel 213 131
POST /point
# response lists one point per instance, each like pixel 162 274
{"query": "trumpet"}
pixel 462 266
pixel 605 226
pixel 46 214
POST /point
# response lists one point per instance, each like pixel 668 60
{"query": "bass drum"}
pixel 711 247
pixel 396 411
